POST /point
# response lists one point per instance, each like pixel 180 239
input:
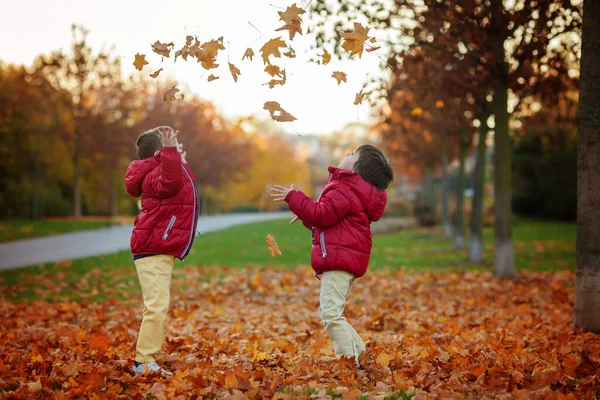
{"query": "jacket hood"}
pixel 372 199
pixel 136 172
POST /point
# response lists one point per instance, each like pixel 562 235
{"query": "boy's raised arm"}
pixel 169 181
pixel 330 209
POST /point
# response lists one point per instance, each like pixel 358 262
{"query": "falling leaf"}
pixel 140 61
pixel 271 48
pixel 372 40
pixel 292 19
pixel 273 247
pixel 354 41
pixel 207 53
pixel 164 49
pixel 291 53
pixel 169 95
pixel 155 74
pixel 235 72
pixel 273 70
pixel 278 114
pixel 370 49
pixel 248 53
pixel 417 112
pixel 339 76
pixel 187 49
pixel 275 82
pixel 359 98
pixel 325 58
pixel 212 77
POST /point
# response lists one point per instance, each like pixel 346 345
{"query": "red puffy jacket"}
pixel 170 204
pixel 341 221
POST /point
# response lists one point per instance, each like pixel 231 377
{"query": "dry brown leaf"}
pixel 274 82
pixel 339 76
pixel 155 74
pixel 273 70
pixel 359 98
pixel 271 243
pixel 248 53
pixel 277 113
pixel 354 41
pixel 292 19
pixel 140 61
pixel 208 51
pixel 164 49
pixel 169 95
pixel 325 58
pixel 370 49
pixel 271 48
pixel 235 72
pixel 291 53
pixel 212 77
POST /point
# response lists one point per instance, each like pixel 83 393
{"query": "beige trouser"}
pixel 155 279
pixel 335 286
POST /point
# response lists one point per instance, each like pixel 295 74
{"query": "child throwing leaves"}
pixel 340 221
pixel 163 230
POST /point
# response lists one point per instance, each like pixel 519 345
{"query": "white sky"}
pixel 31 27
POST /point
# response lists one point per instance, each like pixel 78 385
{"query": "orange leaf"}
pixel 155 74
pixel 231 381
pixel 354 41
pixel 98 341
pixel 273 247
pixel 359 98
pixel 277 113
pixel 164 49
pixel 339 76
pixel 273 70
pixel 212 78
pixel 140 61
pixel 248 53
pixel 235 72
pixel 207 53
pixel 292 19
pixel 169 95
pixel 271 48
pixel 325 58
pixel 478 371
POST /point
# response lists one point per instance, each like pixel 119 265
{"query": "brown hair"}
pixel 373 167
pixel 149 143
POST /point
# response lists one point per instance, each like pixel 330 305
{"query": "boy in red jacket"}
pixel 163 230
pixel 340 221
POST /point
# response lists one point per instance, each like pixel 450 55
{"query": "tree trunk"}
pixel 476 236
pixel 504 262
pixel 446 193
pixel 459 230
pixel 587 286
pixel 77 176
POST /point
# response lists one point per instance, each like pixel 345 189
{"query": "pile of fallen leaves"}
pixel 255 333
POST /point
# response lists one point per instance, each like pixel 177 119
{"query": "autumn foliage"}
pixel 255 333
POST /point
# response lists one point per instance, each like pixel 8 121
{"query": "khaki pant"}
pixel 155 279
pixel 335 286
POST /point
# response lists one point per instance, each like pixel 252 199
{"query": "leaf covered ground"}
pixel 255 333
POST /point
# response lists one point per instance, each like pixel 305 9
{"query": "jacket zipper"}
pixel 194 217
pixel 323 248
pixel 171 223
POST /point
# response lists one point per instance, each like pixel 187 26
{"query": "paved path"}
pixel 70 246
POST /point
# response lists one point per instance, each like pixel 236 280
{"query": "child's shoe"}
pixel 150 368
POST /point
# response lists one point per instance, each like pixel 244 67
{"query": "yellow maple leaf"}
pixel 169 95
pixel 339 76
pixel 155 74
pixel 325 58
pixel 273 247
pixel 164 49
pixel 207 53
pixel 277 114
pixel 271 48
pixel 248 53
pixel 212 78
pixel 273 70
pixel 359 98
pixel 140 61
pixel 354 42
pixel 235 72
pixel 293 20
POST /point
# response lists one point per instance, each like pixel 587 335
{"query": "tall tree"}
pixel 587 287
pixel 79 74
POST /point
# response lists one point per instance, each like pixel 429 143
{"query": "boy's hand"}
pixel 168 136
pixel 180 150
pixel 294 219
pixel 278 193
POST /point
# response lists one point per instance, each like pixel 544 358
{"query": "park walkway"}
pixel 71 246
